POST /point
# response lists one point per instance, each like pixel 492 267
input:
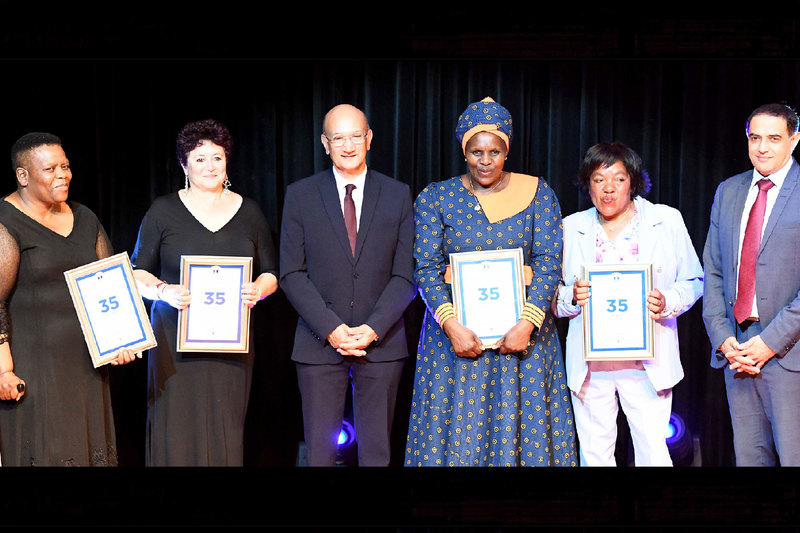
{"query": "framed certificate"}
pixel 110 310
pixel 216 320
pixel 616 322
pixel 488 290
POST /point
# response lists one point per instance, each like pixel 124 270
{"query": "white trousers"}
pixel 595 410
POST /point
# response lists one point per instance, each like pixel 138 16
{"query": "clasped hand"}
pixel 749 356
pixel 352 341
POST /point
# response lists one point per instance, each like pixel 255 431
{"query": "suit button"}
pixel 355 275
pixel 352 303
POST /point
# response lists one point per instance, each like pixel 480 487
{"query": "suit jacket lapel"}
pixel 369 203
pixel 784 194
pixel 585 240
pixel 333 208
pixel 732 221
pixel 649 219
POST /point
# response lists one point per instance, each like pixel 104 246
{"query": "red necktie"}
pixel 350 216
pixel 750 246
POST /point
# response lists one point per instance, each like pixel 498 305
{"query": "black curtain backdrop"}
pixel 118 119
pixel 675 81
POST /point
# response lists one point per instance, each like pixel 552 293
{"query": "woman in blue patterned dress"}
pixel 508 405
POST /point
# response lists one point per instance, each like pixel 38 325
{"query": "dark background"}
pixel 676 84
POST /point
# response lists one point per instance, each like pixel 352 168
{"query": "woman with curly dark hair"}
pixel 197 401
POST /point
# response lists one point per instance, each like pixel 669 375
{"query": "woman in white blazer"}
pixel 623 227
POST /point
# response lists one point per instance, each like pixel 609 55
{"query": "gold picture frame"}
pixel 616 322
pixel 216 320
pixel 488 291
pixel 109 308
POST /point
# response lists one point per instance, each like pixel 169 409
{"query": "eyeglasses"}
pixel 339 140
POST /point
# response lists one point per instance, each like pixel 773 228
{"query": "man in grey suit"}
pixel 346 265
pixel 751 294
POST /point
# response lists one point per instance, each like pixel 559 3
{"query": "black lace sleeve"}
pixel 103 244
pixel 9 266
pixel 3 323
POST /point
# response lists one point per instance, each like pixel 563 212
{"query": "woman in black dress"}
pixel 197 401
pixel 57 406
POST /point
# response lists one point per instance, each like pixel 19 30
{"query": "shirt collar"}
pixel 341 181
pixel 776 177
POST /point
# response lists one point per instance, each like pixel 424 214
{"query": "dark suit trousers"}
pixel 323 389
pixel 766 427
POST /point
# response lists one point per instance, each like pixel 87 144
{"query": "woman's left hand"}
pixel 251 294
pixel 517 339
pixel 126 356
pixel 656 303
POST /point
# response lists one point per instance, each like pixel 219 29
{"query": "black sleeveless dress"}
pixel 65 416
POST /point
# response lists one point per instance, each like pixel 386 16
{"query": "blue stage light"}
pixel 676 429
pixel 684 448
pixel 347 435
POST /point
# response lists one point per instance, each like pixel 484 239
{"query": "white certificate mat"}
pixel 616 321
pixel 488 289
pixel 216 320
pixel 109 307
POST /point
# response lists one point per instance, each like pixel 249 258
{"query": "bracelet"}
pixel 159 289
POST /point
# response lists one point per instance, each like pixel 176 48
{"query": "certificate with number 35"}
pixel 216 320
pixel 488 291
pixel 617 323
pixel 110 310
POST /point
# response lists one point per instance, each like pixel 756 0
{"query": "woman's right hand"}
pixel 581 292
pixel 177 296
pixel 465 342
pixel 9 389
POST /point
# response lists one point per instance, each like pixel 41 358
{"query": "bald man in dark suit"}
pixel 350 289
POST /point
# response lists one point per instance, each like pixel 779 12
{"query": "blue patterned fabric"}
pixel 496 410
pixel 486 115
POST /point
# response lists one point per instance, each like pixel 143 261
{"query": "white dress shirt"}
pixel 777 179
pixel 358 192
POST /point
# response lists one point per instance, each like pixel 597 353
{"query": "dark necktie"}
pixel 750 245
pixel 350 216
